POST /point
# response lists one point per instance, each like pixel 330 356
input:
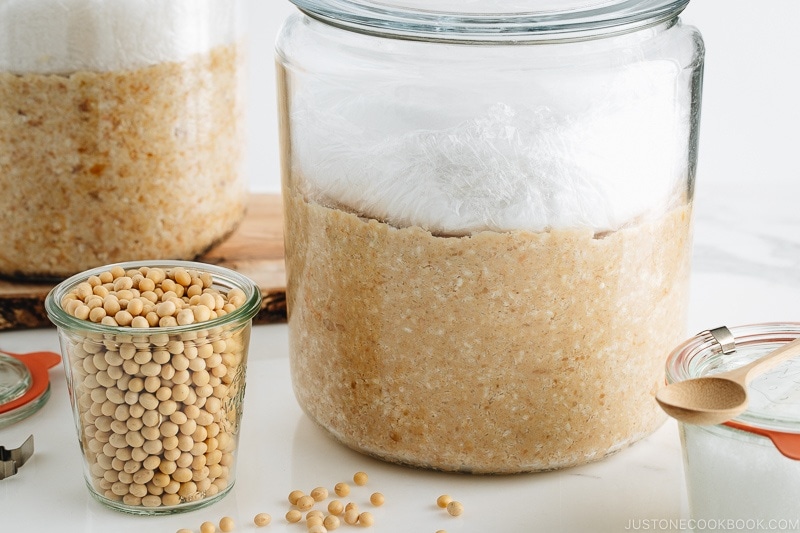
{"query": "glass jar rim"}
pixel 221 276
pixel 703 355
pixel 493 20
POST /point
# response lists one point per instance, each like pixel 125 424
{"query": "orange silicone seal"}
pixel 787 443
pixel 37 363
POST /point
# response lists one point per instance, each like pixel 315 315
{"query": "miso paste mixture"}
pixel 496 352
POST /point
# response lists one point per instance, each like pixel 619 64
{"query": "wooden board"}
pixel 255 249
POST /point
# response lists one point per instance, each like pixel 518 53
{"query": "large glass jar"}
pixel 488 223
pixel 121 131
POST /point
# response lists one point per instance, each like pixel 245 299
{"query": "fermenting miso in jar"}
pixel 488 223
pixel 121 131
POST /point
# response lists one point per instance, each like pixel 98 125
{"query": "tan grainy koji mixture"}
pixel 495 352
pixel 158 412
pixel 104 167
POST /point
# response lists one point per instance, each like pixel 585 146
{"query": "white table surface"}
pixel 746 269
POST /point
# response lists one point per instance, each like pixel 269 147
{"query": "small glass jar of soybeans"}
pixel 155 356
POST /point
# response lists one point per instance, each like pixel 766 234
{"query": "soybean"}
pixel 455 508
pixel 304 503
pixel 226 524
pixel 331 522
pixel 341 489
pixel 319 494
pixel 262 519
pixel 443 500
pixel 336 507
pixel 366 519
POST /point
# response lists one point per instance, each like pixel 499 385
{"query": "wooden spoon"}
pixel 718 398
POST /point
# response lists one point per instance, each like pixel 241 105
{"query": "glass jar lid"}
pixel 24 384
pixel 774 397
pixel 15 379
pixel 495 20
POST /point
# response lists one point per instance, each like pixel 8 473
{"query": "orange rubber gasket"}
pixel 787 443
pixel 37 363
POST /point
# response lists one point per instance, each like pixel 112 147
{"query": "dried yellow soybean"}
pixel 304 503
pixel 315 513
pixel 454 508
pixel 317 528
pixel 366 519
pixel 208 527
pixel 443 500
pixel 377 499
pixel 226 524
pixel 294 516
pixel 351 517
pixel 341 489
pixel 295 495
pixel 360 478
pixel 319 494
pixel 336 507
pixel 262 519
pixel 331 522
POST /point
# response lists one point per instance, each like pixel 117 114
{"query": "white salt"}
pixel 598 148
pixel 63 36
pixel 734 475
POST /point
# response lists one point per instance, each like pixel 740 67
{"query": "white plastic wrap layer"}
pixel 63 36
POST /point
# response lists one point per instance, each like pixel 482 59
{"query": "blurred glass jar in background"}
pixel 488 223
pixel 121 131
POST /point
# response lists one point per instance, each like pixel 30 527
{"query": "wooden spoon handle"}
pixel 746 373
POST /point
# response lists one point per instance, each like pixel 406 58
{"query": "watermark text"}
pixel 723 524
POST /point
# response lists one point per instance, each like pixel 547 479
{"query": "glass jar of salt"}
pixel 121 131
pixel 488 223
pixel 744 473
